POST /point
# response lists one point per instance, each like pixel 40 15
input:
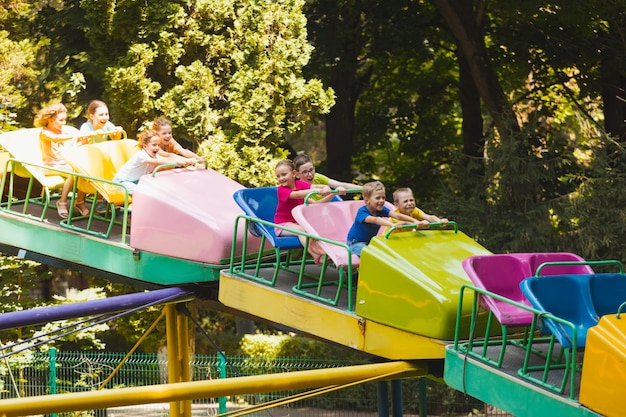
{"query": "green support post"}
pixel 396 398
pixel 423 400
pixel 383 399
pixel 222 374
pixel 52 383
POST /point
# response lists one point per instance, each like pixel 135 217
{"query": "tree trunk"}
pixel 613 94
pixel 463 22
pixel 472 125
pixel 340 125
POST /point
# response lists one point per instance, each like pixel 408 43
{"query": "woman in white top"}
pixel 98 122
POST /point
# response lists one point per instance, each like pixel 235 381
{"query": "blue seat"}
pixel 261 203
pixel 566 297
pixel 608 292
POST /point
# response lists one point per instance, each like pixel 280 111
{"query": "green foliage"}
pixel 290 346
pixel 263 345
pixel 409 134
pixel 20 279
pixel 407 118
pixel 224 156
pixel 594 216
pixel 130 88
pixel 85 339
pixel 18 73
pixel 507 200
pixel 228 73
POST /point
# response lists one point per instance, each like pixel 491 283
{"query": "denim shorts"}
pixel 356 247
pixel 131 185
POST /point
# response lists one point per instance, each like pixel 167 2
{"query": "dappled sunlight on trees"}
pixel 507 117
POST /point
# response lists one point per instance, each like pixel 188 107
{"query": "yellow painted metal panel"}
pixel 393 343
pixel 603 381
pixel 412 281
pixel 325 322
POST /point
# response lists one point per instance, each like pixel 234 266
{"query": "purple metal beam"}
pixel 116 304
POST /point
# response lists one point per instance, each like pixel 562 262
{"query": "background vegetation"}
pixel 508 117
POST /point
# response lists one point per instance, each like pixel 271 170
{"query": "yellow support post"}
pixel 175 351
pixel 183 356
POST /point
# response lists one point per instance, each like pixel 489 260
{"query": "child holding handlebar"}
pixel 372 215
pixel 55 133
pixel 306 172
pixel 145 161
pixel 291 193
pixel 405 203
pixel 98 122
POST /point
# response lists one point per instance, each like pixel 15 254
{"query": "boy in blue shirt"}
pixel 372 215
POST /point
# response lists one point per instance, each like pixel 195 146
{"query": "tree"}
pixel 545 59
pixel 337 29
pixel 392 69
pixel 227 73
pixel 18 73
pixel 465 21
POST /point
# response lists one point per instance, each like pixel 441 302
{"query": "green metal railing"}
pixel 570 365
pixel 432 226
pixel 253 261
pixel 609 262
pixel 334 192
pixel 13 165
pixel 46 198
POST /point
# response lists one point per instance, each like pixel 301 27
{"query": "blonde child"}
pixel 405 203
pixel 98 122
pixel 291 193
pixel 54 134
pixel 372 215
pixel 306 172
pixel 143 162
pixel 169 145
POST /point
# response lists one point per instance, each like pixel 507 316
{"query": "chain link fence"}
pixel 62 372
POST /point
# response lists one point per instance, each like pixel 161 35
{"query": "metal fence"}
pixel 61 372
